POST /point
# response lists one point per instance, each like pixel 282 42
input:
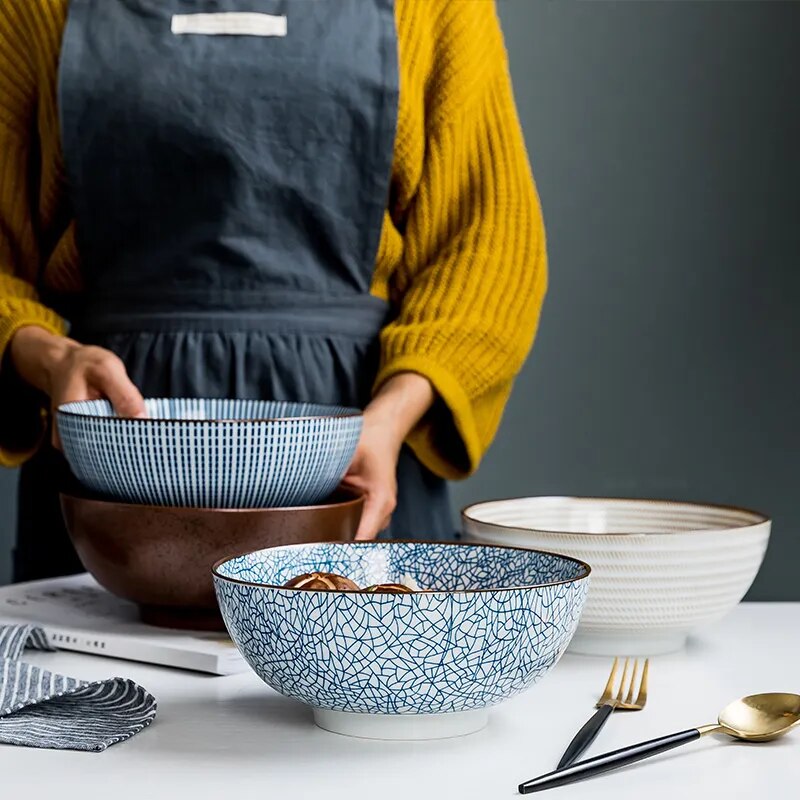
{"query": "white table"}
pixel 235 738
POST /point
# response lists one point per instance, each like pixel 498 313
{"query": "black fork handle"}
pixel 586 735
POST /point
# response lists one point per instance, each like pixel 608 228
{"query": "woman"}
pixel 324 202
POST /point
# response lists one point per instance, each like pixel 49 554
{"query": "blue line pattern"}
pixel 211 453
pixel 41 709
pixel 425 653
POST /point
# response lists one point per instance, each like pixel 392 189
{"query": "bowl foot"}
pixel 635 643
pixel 185 619
pixel 407 727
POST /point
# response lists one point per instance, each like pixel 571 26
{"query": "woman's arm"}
pixel 22 421
pixel 65 371
pixel 474 273
pixel 395 411
pixel 39 366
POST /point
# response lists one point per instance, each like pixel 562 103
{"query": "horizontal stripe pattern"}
pixel 39 708
pixel 658 567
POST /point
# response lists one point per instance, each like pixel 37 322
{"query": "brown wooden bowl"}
pixel 161 557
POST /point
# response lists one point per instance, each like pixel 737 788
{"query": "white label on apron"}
pixel 230 23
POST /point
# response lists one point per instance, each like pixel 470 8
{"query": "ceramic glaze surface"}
pixel 211 453
pixel 659 569
pixel 161 558
pixel 425 653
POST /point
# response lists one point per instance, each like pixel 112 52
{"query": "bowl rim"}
pixel 586 569
pixel 349 413
pixel 758 518
pixel 355 498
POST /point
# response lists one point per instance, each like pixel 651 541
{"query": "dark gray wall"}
pixel 8 483
pixel 664 140
pixel 663 137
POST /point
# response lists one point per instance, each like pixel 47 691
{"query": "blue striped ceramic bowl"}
pixel 211 453
pixel 488 624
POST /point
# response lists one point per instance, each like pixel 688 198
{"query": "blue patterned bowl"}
pixel 211 453
pixel 491 622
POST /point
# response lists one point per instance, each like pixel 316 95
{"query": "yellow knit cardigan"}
pixel 462 252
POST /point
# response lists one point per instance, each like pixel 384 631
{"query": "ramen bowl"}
pixel 161 558
pixel 210 453
pixel 489 623
pixel 660 570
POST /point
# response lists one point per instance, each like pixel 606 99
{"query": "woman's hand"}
pixel 67 371
pixel 388 419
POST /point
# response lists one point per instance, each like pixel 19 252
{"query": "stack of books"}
pixel 78 614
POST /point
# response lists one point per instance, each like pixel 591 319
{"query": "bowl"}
pixel 492 621
pixel 211 453
pixel 161 558
pixel 661 569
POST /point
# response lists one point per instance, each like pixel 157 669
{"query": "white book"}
pixel 78 614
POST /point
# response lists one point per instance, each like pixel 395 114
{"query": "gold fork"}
pixel 623 700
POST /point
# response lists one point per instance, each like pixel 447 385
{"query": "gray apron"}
pixel 229 193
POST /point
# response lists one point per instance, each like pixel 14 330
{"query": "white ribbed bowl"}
pixel 660 570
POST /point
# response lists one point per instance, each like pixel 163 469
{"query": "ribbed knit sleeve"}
pixel 22 418
pixel 473 274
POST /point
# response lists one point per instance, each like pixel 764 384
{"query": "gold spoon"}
pixel 757 718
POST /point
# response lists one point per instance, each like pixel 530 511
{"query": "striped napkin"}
pixel 41 709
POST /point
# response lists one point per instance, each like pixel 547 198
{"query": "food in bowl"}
pixel 661 570
pixel 211 453
pixel 321 582
pixel 421 664
pixel 390 588
pixel 161 558
pixel 327 581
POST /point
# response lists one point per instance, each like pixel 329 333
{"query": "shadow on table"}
pixel 269 728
